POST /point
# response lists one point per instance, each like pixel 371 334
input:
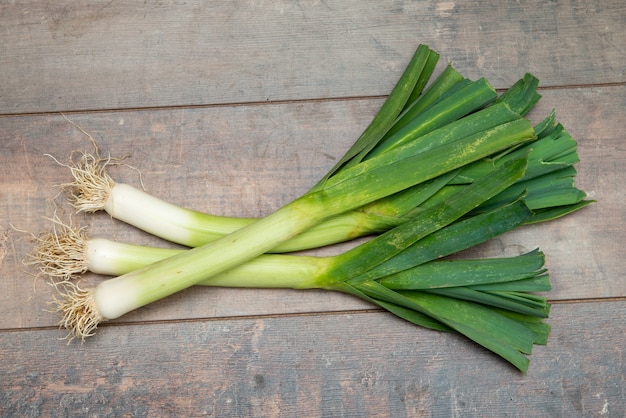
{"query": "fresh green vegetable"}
pixel 346 272
pixel 445 168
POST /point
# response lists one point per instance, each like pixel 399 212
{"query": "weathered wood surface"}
pixel 63 56
pixel 364 364
pixel 155 71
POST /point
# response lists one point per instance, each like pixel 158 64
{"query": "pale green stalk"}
pixel 193 229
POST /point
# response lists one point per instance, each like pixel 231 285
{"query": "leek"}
pixel 438 170
pixel 346 271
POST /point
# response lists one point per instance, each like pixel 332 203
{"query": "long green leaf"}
pixel 453 273
pixel 498 333
pixel 539 283
pixel 453 238
pixel 410 315
pixel 365 257
pixel 413 75
pixel 463 102
pixel 502 335
pixel 522 96
pixel 550 214
pixel 390 173
pixel 509 301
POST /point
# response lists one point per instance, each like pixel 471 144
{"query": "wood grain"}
pixel 368 364
pixel 59 56
pixel 237 107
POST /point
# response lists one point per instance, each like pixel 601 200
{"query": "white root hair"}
pixel 80 315
pixel 61 252
pixel 92 184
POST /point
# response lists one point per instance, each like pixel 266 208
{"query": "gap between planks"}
pixel 284 315
pixel 276 102
pixel 209 319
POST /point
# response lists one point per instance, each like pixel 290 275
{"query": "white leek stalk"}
pixel 93 189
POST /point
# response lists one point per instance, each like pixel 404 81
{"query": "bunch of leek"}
pixel 445 168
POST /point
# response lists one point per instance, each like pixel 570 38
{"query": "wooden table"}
pixel 237 107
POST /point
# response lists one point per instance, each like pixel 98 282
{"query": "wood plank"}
pixel 62 56
pixel 190 83
pixel 368 364
pixel 260 157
